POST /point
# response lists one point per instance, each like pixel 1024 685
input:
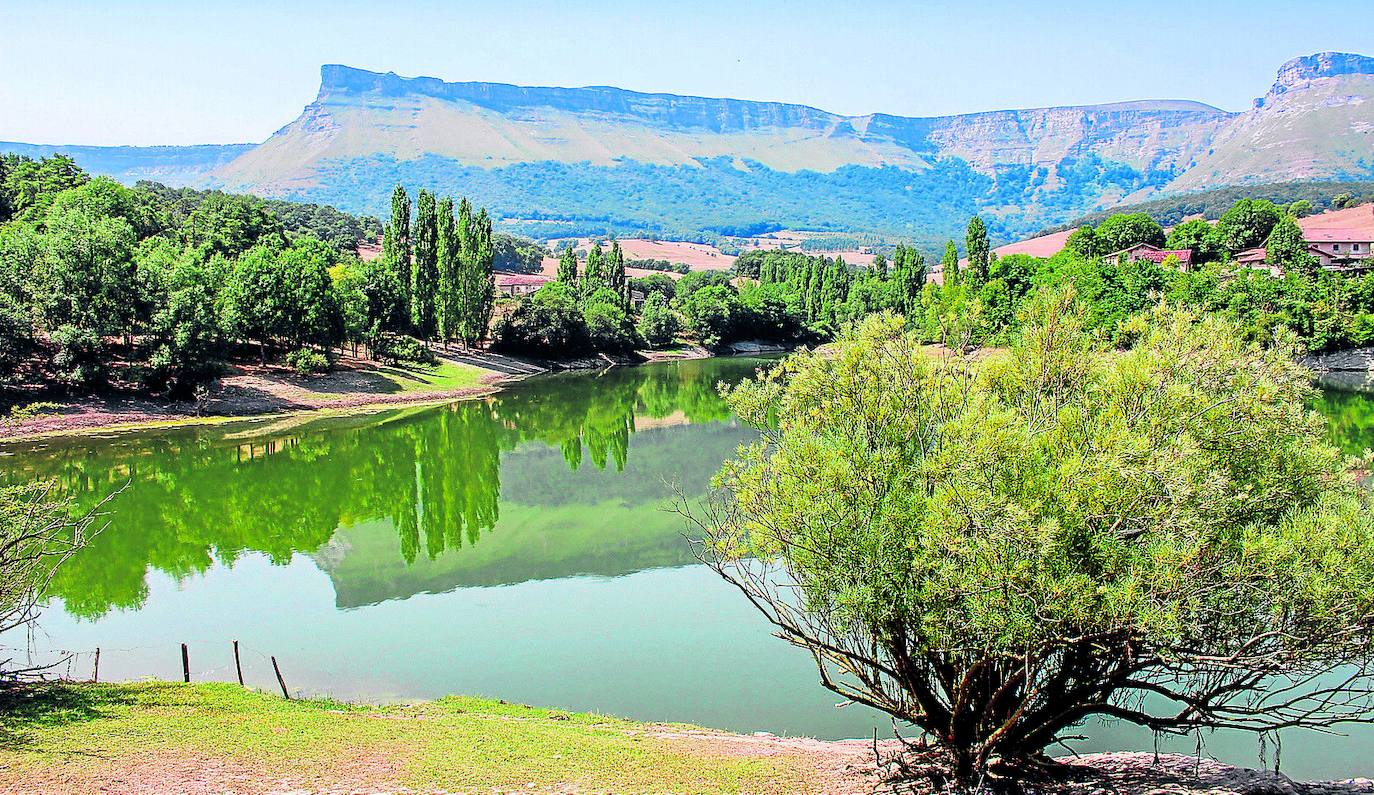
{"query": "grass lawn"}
pixel 441 377
pixel 173 737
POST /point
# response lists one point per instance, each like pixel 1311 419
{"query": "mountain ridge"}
pixel 557 161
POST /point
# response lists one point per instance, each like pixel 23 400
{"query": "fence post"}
pixel 96 676
pixel 280 681
pixel 185 664
pixel 238 667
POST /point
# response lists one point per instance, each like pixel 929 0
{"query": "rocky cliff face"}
pixel 608 158
pixel 1300 72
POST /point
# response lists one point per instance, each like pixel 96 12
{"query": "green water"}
pixel 517 547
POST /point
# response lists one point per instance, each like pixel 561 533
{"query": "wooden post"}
pixel 185 663
pixel 237 665
pixel 96 676
pixel 280 681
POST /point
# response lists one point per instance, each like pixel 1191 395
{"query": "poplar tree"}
pixel 567 266
pixel 594 276
pixel 400 238
pixel 477 280
pixel 615 272
pixel 979 254
pixel 447 307
pixel 950 263
pixel 424 274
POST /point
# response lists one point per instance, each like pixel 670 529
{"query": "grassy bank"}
pixel 171 737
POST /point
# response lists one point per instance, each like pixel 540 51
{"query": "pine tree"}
pixel 424 274
pixel 979 254
pixel 448 305
pixel 950 263
pixel 567 266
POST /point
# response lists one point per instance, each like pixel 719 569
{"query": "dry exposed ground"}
pixel 250 389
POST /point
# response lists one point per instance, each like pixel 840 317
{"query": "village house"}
pixel 1145 251
pixel 518 285
pixel 1340 240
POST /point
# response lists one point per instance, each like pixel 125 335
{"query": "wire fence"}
pixel 239 662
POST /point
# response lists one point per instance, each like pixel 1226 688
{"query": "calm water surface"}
pixel 516 547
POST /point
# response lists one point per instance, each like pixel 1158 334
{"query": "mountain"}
pixel 171 165
pixel 559 161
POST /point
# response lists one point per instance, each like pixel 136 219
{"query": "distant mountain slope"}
pixel 565 161
pixel 1210 204
pixel 177 166
pixel 1316 122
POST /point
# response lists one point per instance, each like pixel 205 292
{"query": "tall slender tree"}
pixel 950 263
pixel 399 256
pixel 424 274
pixel 615 272
pixel 979 253
pixel 477 279
pixel 447 305
pixel 567 266
pixel 594 275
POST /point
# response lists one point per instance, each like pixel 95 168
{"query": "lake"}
pixel 518 547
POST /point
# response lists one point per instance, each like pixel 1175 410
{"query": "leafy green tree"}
pixel 30 186
pixel 979 251
pixel 424 272
pixel 256 302
pixel 1125 230
pixel 1247 224
pixel 1083 242
pixel 447 306
pixel 711 314
pixel 594 274
pixel 999 549
pixel 615 273
pixel 350 292
pixel 1197 236
pixel 949 263
pixel 185 325
pixel 567 266
pixel 547 325
pixel 478 279
pixel 609 326
pixel 1286 247
pixel 85 276
pixel 315 317
pixel 230 225
pixel 908 277
pixel 655 283
pixel 659 324
pixel 396 241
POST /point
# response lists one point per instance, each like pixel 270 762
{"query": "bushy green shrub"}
pixel 307 361
pixel 388 346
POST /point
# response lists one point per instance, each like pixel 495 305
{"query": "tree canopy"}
pixel 996 549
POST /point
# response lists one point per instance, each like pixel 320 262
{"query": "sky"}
pixel 190 72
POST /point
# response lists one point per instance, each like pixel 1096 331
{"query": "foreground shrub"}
pixel 997 550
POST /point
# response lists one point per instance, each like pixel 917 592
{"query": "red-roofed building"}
pixel 515 285
pixel 1146 251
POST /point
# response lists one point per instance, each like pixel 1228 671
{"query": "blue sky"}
pixel 217 72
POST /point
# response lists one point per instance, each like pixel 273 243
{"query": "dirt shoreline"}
pixel 251 392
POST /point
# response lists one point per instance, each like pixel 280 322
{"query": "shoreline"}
pixel 93 415
pixel 215 736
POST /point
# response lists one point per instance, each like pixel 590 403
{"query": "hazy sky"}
pixel 217 72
